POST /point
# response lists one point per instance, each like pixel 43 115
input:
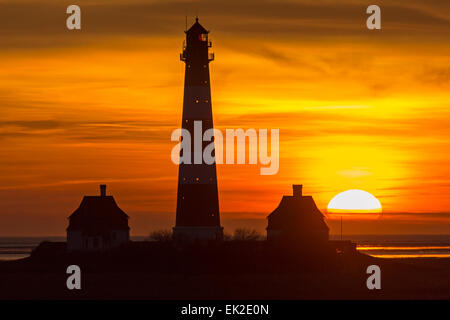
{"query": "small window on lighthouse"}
pixel 203 37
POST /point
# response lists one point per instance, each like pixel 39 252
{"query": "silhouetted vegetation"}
pixel 227 236
pixel 247 234
pixel 163 235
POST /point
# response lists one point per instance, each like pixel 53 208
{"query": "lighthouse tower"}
pixel 197 215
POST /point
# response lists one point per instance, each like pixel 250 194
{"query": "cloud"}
pixel 414 216
pixel 92 131
pixel 32 125
pixel 315 122
pixel 439 76
pixel 41 24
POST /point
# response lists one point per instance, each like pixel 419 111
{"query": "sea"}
pixel 401 246
pixel 381 246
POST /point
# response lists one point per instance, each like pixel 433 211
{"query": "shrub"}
pixel 161 235
pixel 246 234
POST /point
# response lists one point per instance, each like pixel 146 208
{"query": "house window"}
pixel 95 242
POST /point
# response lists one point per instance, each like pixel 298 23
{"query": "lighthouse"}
pixel 197 215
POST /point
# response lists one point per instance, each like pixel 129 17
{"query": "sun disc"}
pixel 354 201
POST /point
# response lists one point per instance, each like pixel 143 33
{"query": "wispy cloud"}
pixel 34 24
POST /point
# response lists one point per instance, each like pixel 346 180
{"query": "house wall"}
pixel 77 242
pixel 272 234
pixel 119 237
pixel 94 243
pixel 74 240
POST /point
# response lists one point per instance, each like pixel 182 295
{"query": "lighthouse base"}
pixel 191 234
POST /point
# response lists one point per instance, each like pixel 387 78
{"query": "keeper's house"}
pixel 297 220
pixel 97 225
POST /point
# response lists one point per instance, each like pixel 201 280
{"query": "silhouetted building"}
pixel 97 224
pixel 197 214
pixel 298 220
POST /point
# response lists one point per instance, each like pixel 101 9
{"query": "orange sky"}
pixel 356 109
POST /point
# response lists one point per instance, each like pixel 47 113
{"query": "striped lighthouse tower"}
pixel 197 216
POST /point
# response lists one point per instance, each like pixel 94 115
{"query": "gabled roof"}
pixel 296 212
pixel 303 203
pixel 98 213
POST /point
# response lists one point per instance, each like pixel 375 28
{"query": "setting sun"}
pixel 354 201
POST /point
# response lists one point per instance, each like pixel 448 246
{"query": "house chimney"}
pixel 103 190
pixel 297 190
